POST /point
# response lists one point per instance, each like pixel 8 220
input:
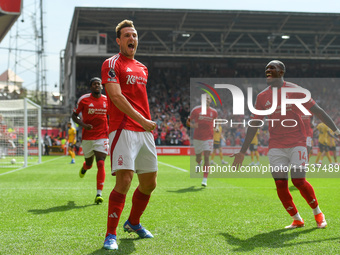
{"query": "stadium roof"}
pixel 218 33
pixel 9 13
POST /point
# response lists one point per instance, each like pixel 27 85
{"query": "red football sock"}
pixel 306 191
pixel 116 205
pixel 100 174
pixel 86 167
pixel 285 196
pixel 139 203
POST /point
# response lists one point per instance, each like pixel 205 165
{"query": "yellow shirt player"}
pixel 332 145
pixel 72 134
pixel 217 145
pixel 324 134
pixel 253 149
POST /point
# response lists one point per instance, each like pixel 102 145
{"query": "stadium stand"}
pixel 230 44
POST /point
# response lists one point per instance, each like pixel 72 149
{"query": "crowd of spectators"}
pixel 169 96
pixel 168 93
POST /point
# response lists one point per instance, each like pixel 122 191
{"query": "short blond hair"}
pixel 123 24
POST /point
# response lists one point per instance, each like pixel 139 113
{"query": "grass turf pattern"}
pixel 48 209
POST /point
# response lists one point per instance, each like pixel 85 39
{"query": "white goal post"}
pixel 20 133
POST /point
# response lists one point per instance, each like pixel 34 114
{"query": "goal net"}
pixel 20 133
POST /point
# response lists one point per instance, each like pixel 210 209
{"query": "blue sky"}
pixel 58 16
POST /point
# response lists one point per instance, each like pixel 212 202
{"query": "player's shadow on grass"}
pixel 125 246
pixel 274 239
pixel 292 188
pixel 71 205
pixel 185 190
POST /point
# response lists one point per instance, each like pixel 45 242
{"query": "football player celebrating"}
pixel 132 146
pixel 287 145
pixel 95 142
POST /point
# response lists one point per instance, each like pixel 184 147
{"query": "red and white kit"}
pixel 132 77
pixel 94 112
pixel 287 145
pixel 204 133
pixel 280 136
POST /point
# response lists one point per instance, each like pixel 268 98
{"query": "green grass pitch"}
pixel 48 209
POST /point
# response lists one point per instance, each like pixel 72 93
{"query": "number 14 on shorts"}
pixel 302 155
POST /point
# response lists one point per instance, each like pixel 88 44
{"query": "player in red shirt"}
pixel 95 142
pixel 203 135
pixel 132 145
pixel 287 145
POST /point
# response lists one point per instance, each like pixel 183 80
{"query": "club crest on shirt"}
pixel 104 105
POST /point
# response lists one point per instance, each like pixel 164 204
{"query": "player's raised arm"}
pixel 239 157
pixel 120 101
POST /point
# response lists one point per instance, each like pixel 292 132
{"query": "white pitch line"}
pixel 181 169
pixel 30 166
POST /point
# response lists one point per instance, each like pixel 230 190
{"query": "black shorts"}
pixel 332 148
pixel 253 147
pixel 217 145
pixel 323 147
pixel 71 145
